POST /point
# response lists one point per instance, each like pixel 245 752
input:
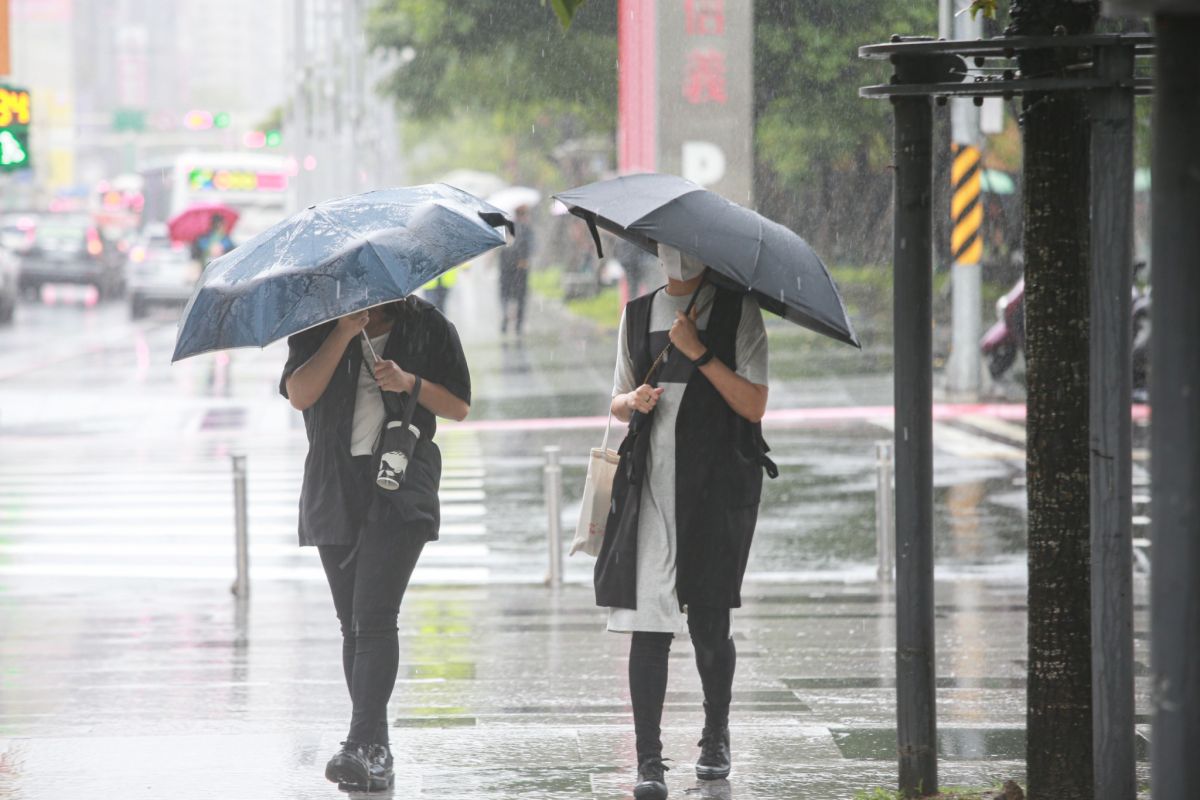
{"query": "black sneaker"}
pixel 349 768
pixel 714 761
pixel 379 768
pixel 652 783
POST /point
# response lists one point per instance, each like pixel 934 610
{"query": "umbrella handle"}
pixel 370 346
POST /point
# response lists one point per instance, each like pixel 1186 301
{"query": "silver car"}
pixel 160 273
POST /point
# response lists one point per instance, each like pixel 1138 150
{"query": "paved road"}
pixel 116 463
pixel 128 669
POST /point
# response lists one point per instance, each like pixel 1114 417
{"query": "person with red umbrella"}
pixel 213 244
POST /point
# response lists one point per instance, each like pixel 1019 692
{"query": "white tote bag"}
pixel 597 496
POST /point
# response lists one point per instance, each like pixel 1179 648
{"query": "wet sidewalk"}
pixel 152 689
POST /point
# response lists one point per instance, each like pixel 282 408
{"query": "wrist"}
pixel 703 358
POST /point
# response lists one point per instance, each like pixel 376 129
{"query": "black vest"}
pixel 720 457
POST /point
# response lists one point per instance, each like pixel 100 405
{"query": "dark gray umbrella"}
pixel 332 259
pixel 746 250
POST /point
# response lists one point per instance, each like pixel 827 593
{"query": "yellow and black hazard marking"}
pixel 966 210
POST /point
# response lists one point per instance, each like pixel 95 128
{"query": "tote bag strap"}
pixel 687 312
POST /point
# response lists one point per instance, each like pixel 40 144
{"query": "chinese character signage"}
pixel 15 116
pixel 686 93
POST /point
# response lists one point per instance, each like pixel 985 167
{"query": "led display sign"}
pixel 235 180
pixel 15 116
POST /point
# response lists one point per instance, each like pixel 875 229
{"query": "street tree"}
pixel 1056 244
pixel 501 80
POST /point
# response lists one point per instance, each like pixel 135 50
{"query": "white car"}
pixel 160 274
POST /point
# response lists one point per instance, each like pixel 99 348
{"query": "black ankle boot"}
pixel 379 768
pixel 651 783
pixel 715 760
pixel 349 768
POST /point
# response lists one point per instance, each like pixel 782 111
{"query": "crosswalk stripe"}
pixel 53 496
pixel 103 515
pixel 168 514
pixel 215 530
pixel 176 550
pixel 422 575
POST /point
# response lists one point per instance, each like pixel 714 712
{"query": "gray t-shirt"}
pixel 657 604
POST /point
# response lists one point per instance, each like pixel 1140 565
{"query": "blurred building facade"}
pixel 342 131
pixel 112 81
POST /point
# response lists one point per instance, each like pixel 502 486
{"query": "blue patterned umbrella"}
pixel 332 259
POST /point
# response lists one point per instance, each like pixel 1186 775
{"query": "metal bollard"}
pixel 885 513
pixel 241 585
pixel 553 472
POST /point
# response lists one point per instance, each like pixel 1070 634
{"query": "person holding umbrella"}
pixel 337 278
pixel 707 397
pixel 514 274
pixel 691 379
pixel 368 545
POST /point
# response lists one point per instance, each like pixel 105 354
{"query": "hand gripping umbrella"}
pixel 744 250
pixel 333 259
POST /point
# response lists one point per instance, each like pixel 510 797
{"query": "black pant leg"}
pixel 716 660
pixel 648 657
pixel 385 562
pixel 341 586
pixel 520 291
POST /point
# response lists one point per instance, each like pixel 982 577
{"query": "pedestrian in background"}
pixel 685 499
pixel 514 273
pixel 369 539
pixel 215 243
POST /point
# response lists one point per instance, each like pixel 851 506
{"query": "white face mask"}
pixel 679 266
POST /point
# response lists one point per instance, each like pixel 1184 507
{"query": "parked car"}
pixel 67 250
pixel 9 290
pixel 161 273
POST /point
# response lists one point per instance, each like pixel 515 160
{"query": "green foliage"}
pixel 603 308
pixel 810 117
pixel 822 151
pixel 506 59
pixel 565 9
pixel 987 7
pixel 498 86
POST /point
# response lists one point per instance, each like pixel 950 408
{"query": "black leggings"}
pixel 366 596
pixel 716 659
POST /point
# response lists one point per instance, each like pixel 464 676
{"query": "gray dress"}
pixel 657 604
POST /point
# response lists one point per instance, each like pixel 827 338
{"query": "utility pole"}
pixel 1174 443
pixel 966 242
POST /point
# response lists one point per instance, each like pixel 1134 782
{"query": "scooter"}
pixel 1006 338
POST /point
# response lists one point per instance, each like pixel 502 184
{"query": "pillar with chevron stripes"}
pixel 966 209
pixel 965 368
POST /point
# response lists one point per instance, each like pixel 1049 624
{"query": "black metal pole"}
pixel 1175 393
pixel 1110 428
pixel 916 713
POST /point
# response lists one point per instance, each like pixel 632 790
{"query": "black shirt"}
pixel 422 342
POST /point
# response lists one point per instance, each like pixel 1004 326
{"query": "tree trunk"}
pixel 1056 233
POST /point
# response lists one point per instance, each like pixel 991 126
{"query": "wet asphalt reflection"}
pixel 126 669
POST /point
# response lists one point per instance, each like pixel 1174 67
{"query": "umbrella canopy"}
pixel 333 259
pixel 192 223
pixel 513 197
pixel 744 249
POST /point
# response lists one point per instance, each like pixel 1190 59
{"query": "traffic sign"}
pixel 16 112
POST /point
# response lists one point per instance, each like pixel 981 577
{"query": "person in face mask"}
pixel 696 499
